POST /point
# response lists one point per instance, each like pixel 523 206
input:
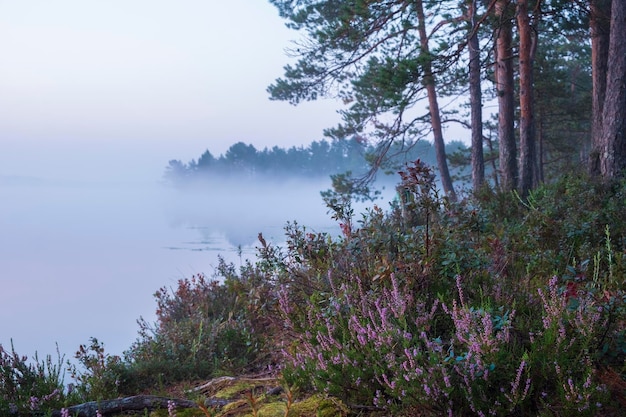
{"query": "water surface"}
pixel 81 260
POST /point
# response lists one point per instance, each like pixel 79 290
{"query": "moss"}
pixel 273 409
pixel 318 406
pixel 234 390
pixel 235 408
pixel 315 406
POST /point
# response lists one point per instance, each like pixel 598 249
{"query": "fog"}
pixel 240 210
pixel 81 260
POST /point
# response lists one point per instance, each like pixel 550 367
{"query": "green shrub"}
pixel 99 375
pixel 454 310
pixel 493 305
pixel 203 328
pixel 28 387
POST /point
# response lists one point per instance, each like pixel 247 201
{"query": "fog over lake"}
pixel 81 260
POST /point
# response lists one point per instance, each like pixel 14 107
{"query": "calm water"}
pixel 83 260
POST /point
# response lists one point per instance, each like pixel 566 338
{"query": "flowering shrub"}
pixel 387 348
pixel 98 377
pixel 389 325
pixel 491 306
pixel 28 387
pixel 203 327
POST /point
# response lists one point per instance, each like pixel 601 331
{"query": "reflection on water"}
pixel 240 211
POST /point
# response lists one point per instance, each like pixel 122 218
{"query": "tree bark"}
pixel 528 152
pixel 599 22
pixel 435 117
pixel 506 101
pixel 613 142
pixel 476 108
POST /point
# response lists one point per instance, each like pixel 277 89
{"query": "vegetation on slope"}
pixel 495 305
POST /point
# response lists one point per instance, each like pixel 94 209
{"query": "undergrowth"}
pixel 496 305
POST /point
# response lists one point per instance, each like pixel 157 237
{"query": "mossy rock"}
pixel 247 395
pixel 235 390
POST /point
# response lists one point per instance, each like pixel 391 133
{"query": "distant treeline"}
pixel 318 160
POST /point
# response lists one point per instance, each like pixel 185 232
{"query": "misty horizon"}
pixel 83 261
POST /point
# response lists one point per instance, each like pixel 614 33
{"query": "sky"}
pixel 101 92
pixel 106 92
pixel 112 90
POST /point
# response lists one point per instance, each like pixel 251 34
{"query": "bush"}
pixel 495 305
pixel 101 373
pixel 460 310
pixel 203 328
pixel 28 387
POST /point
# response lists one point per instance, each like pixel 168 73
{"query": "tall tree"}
pixel 527 48
pixel 505 91
pixel 206 161
pixel 599 22
pixel 376 56
pixel 612 144
pixel 433 104
pixel 476 105
pixel 241 158
pixel 562 97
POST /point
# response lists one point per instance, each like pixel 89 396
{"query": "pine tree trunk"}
pixel 506 100
pixel 476 108
pixel 435 118
pixel 528 152
pixel 613 146
pixel 600 11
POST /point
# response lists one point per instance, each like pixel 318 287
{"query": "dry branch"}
pixel 121 405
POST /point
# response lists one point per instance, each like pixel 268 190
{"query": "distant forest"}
pixel 320 159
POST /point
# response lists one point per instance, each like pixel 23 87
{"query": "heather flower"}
pixel 515 396
pixel 321 362
pixel 65 412
pixel 398 300
pixel 377 398
pixel 553 304
pixel 171 408
pixel 54 394
pixel 460 288
pixel 446 378
pixel 34 403
pixel 283 301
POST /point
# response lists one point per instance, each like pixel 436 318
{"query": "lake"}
pixel 81 260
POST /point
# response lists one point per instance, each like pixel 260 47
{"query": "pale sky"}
pixel 112 89
pixel 108 91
